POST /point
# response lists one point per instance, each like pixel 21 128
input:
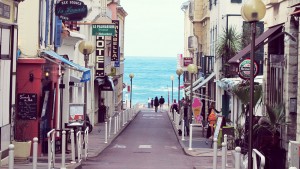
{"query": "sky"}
pixel 153 28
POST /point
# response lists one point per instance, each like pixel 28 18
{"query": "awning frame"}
pixel 206 80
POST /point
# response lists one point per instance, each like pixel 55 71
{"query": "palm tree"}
pixel 228 46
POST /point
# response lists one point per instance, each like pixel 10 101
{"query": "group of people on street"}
pixel 156 102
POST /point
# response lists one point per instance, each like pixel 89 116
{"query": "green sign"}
pixel 103 30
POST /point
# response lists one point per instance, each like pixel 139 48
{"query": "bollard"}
pixel 109 127
pixel 34 152
pixel 293 168
pixel 115 124
pixel 123 118
pixel 237 157
pixel 51 148
pixel 105 141
pixel 225 141
pixel 215 153
pixel 63 150
pixel 11 148
pixel 79 148
pixel 191 137
pixel 86 143
pixel 182 128
pixel 223 155
pixel 73 146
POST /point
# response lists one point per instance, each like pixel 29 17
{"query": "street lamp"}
pixel 179 72
pixel 131 76
pixel 86 48
pixel 192 69
pixel 172 79
pixel 252 11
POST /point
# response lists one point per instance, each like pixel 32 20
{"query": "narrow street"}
pixel 148 142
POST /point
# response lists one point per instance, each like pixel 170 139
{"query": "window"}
pixel 5 43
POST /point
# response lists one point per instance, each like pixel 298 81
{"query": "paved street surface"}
pixel 148 141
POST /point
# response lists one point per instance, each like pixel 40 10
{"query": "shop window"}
pixel 5 44
pixel 71 25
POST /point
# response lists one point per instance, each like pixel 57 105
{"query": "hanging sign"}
pixel 244 69
pixel 100 48
pixel 103 30
pixel 71 10
pixel 115 43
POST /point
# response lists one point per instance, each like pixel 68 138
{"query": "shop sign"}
pixel 187 61
pixel 197 108
pixel 115 42
pixel 100 48
pixel 103 29
pixel 244 69
pixel 71 10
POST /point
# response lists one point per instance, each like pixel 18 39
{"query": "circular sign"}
pixel 244 69
pixel 71 10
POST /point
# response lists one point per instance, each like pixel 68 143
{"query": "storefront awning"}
pixel 194 84
pixel 258 41
pixel 202 83
pixel 105 83
pixel 51 56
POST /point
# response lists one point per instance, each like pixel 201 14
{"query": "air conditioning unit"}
pixel 293 154
pixel 192 43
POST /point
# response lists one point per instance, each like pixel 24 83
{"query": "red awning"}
pixel 258 41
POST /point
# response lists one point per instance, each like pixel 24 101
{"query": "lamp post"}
pixel 192 69
pixel 131 76
pixel 252 11
pixel 86 48
pixel 179 72
pixel 172 79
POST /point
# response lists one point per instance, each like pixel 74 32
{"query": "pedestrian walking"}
pixel 156 104
pixel 149 102
pixel 212 119
pixel 185 107
pixel 174 107
pixel 152 102
pixel 161 102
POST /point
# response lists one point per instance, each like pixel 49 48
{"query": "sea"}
pixel 152 77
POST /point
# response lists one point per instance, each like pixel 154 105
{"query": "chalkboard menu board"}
pixel 27 106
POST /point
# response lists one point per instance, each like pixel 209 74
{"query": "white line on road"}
pixel 145 146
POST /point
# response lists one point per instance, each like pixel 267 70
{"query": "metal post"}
pixel 182 128
pixel 34 153
pixel 63 150
pixel 86 60
pixel 237 157
pixel 253 30
pixel 105 141
pixel 224 155
pixel 172 92
pixel 109 128
pixel 11 148
pixel 215 153
pixel 73 146
pixel 225 141
pixel 191 98
pixel 179 93
pixel 130 91
pixel 191 137
pixel 115 125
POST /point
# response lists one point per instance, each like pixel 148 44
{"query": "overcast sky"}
pixel 153 27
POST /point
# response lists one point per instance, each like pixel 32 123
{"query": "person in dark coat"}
pixel 161 102
pixel 152 102
pixel 156 104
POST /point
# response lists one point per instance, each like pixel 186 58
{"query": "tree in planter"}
pixel 267 136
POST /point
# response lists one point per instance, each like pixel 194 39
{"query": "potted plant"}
pixel 22 142
pixel 267 136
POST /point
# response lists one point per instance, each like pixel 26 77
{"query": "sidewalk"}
pixel 96 146
pixel 199 146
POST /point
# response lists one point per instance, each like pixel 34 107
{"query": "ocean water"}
pixel 151 78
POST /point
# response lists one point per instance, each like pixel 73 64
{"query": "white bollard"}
pixel 237 157
pixel 215 153
pixel 34 152
pixel 109 128
pixel 225 141
pixel 293 168
pixel 11 148
pixel 105 141
pixel 182 129
pixel 73 146
pixel 191 137
pixel 63 150
pixel 224 155
pixel 115 124
pixel 123 117
pixel 79 148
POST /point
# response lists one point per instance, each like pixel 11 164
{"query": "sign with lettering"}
pixel 103 29
pixel 71 10
pixel 27 106
pixel 245 70
pixel 100 48
pixel 115 43
pixel 187 61
pixel 76 112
